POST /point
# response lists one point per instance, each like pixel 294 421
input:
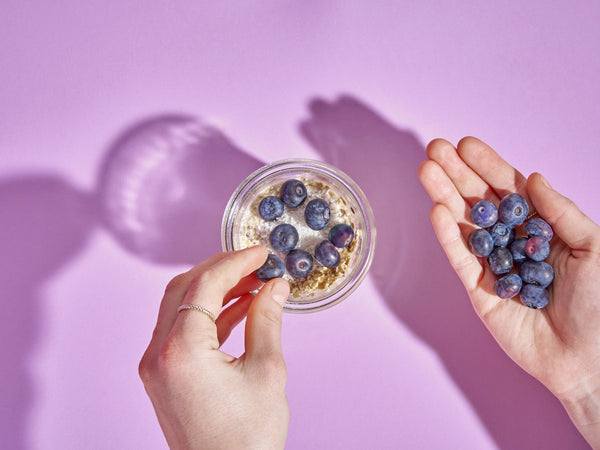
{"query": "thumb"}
pixel 569 223
pixel 263 325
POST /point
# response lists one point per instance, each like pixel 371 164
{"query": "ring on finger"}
pixel 197 308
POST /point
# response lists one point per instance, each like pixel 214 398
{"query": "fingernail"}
pixel 280 290
pixel 250 248
pixel 545 182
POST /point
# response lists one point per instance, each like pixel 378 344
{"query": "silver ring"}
pixel 197 308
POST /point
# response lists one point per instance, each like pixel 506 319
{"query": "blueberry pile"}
pixel 496 240
pixel 284 237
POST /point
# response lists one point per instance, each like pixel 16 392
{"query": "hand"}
pixel 204 398
pixel 560 344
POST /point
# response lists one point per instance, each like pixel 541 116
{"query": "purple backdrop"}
pixel 124 127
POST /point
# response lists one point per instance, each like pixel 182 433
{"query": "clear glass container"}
pixel 242 227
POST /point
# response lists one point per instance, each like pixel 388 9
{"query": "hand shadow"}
pixel 45 224
pixel 162 189
pixel 164 185
pixel 417 282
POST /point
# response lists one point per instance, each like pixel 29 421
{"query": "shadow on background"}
pixel 164 184
pixel 162 189
pixel 418 284
pixel 45 224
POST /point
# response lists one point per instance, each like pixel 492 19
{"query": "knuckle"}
pixel 206 277
pixel 271 316
pixel 177 283
pixel 169 358
pixel 146 369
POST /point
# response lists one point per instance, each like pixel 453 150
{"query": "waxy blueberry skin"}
pixel 539 227
pixel 284 237
pixel 293 193
pixel 298 263
pixel 537 272
pixel 500 260
pixel 271 208
pixel 508 286
pixel 513 210
pixel 326 254
pixel 484 213
pixel 481 242
pixel 536 297
pixel 272 268
pixel 317 214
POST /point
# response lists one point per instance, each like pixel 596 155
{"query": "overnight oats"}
pixel 316 223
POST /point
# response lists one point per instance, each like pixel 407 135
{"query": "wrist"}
pixel 582 404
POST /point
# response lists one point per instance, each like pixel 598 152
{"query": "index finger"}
pixel 208 289
pixel 495 171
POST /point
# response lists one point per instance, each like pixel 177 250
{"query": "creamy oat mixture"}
pixel 255 230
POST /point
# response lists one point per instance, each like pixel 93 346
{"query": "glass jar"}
pixel 324 287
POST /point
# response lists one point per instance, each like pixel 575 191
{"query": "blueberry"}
pixel 539 227
pixel 500 260
pixel 484 213
pixel 502 234
pixel 517 248
pixel 327 254
pixel 317 214
pixel 284 237
pixel 537 272
pixel 270 208
pixel 480 242
pixel 508 286
pixel 513 210
pixel 537 248
pixel 535 297
pixel 272 268
pixel 341 235
pixel 293 193
pixel 298 263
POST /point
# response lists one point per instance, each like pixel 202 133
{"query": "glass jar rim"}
pixel 324 169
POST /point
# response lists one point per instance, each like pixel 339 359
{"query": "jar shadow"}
pixel 161 193
pixel 164 184
pixel 418 284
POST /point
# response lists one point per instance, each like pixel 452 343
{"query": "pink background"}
pixel 96 216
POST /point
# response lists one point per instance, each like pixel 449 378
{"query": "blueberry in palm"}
pixel 341 235
pixel 327 254
pixel 293 193
pixel 284 237
pixel 502 234
pixel 537 272
pixel 317 214
pixel 481 242
pixel 500 260
pixel 537 248
pixel 539 227
pixel 272 268
pixel 517 248
pixel 513 210
pixel 484 213
pixel 298 263
pixel 270 208
pixel 508 286
pixel 534 296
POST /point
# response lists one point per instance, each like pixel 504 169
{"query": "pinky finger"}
pixel 232 316
pixel 465 264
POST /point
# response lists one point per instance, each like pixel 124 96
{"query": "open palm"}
pixel 559 345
